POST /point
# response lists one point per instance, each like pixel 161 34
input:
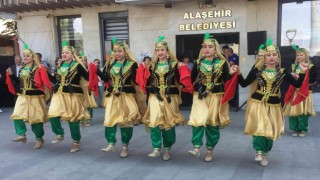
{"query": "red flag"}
pixel 37 80
pixel 44 76
pixel 185 79
pixel 41 78
pixel 230 88
pixel 142 77
pixel 290 92
pixel 303 91
pixel 93 79
pixel 289 95
pixel 10 85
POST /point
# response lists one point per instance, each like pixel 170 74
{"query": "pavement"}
pixel 291 157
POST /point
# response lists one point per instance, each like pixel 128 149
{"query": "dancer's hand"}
pixel 9 71
pixel 181 64
pixel 234 69
pixel 304 66
pixel 296 76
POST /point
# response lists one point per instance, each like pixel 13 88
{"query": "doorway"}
pixel 7 52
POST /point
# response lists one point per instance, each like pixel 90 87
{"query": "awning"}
pixel 14 6
pixel 7 15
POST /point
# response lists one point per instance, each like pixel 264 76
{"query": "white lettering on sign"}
pixel 206 15
pixel 207 26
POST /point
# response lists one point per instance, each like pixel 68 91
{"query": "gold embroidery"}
pixel 162 71
pixel 27 79
pixel 269 88
pixel 115 76
pixel 270 74
pixel 62 72
pixel 207 72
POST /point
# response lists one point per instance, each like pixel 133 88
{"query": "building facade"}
pixel 241 24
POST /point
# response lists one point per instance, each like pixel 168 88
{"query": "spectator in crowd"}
pixel 16 67
pixel 186 60
pixel 15 71
pixel 147 60
pixel 97 62
pixel 43 62
pixel 225 51
pixel 90 100
pixel 186 97
pixel 232 57
pixel 57 63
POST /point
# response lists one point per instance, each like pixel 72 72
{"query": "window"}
pixel 300 24
pixel 113 25
pixel 70 30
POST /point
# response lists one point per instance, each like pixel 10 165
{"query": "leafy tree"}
pixel 11 27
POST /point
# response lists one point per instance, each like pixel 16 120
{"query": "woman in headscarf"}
pixel 299 101
pixel 121 107
pixel 264 116
pixel 261 53
pixel 209 111
pixel 67 103
pixel 161 79
pixel 30 106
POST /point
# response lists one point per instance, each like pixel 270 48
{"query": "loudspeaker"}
pixel 288 56
pixel 254 40
pixel 168 5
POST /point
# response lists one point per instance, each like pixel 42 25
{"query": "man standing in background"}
pixel 15 71
pixel 16 67
pixel 225 51
pixel 232 58
pixel 45 63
